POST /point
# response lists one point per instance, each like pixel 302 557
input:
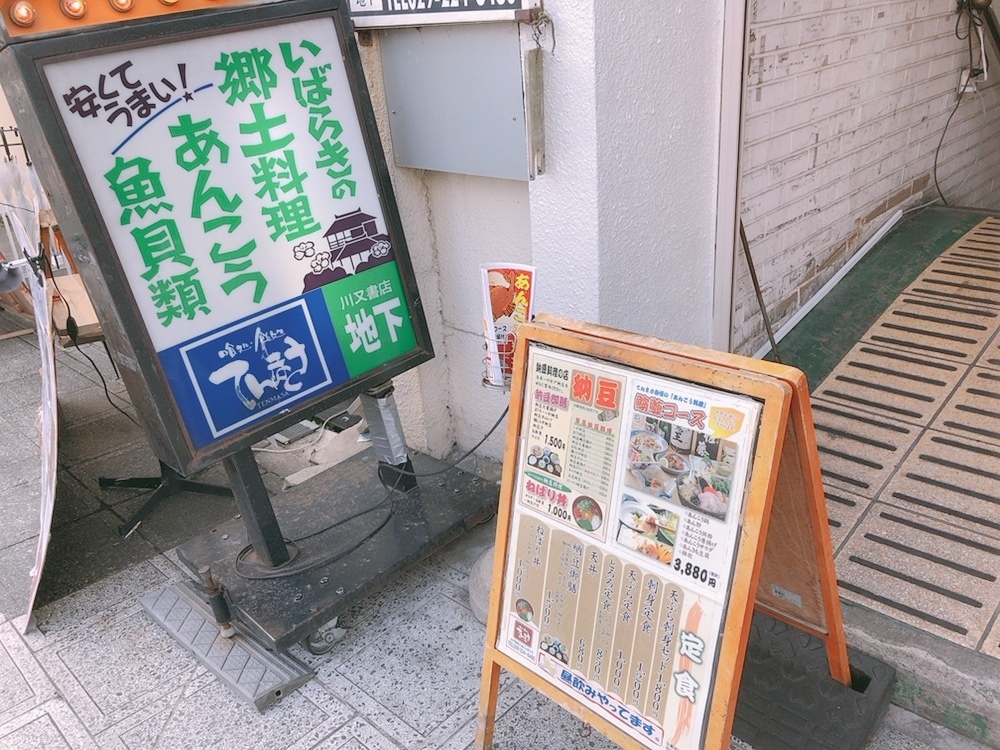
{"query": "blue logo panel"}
pixel 240 374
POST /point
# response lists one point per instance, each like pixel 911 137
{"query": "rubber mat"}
pixel 255 674
pixel 788 701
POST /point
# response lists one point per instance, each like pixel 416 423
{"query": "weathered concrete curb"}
pixel 936 679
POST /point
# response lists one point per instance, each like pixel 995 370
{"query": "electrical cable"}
pixel 459 460
pixel 974 22
pixel 286 570
pixel 74 334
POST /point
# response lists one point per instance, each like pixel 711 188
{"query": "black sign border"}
pixel 89 240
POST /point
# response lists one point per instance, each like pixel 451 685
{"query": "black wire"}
pixel 74 332
pixel 459 460
pixel 965 9
pixel 287 570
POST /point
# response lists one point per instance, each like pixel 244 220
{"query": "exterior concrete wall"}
pixel 623 221
pixel 658 91
pixel 621 226
pixel 845 106
pixel 452 223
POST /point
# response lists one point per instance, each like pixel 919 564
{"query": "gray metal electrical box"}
pixel 456 98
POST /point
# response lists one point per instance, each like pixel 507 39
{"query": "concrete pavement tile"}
pixel 19 443
pixel 376 616
pixel 973 410
pixel 99 437
pixel 14 472
pixel 454 562
pixel 85 404
pixel 180 517
pixel 133 460
pixel 424 669
pixel 85 551
pixel 72 357
pixel 954 479
pixel 49 726
pixel 23 683
pixel 922 571
pixel 357 734
pixel 116 667
pixel 73 617
pixel 898 385
pixel 536 722
pixel 73 499
pixel 206 714
pixel 857 451
pixel 457 736
pixel 991 641
pixel 20 513
pixel 843 510
pixel 20 402
pixel 16 563
pixel 20 356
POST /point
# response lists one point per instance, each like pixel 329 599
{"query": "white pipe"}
pixel 734 47
pixel 834 280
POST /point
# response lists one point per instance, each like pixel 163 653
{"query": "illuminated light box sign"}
pixel 235 181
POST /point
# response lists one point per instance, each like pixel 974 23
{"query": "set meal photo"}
pixel 545 459
pixel 671 462
pixel 647 528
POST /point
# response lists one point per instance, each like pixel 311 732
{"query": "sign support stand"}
pixel 256 509
pixel 782 559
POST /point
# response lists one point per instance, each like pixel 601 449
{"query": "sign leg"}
pixel 487 705
pixel 255 505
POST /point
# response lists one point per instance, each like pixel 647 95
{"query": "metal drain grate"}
pixel 935 576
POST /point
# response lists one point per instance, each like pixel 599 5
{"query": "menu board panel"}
pixel 629 495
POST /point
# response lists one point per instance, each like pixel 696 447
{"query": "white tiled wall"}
pixel 846 101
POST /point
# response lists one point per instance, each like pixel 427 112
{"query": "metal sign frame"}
pixel 381 14
pixel 89 241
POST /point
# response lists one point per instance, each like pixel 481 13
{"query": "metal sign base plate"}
pixel 350 536
pixel 247 668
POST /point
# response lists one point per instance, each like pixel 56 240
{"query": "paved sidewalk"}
pixel 98 672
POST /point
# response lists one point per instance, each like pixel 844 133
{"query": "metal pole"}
pixel 255 506
pixel 760 297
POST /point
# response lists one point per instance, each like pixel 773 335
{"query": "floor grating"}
pixel 908 426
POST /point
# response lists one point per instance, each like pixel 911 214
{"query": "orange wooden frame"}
pixel 785 482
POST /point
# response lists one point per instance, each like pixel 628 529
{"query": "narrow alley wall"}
pixel 844 110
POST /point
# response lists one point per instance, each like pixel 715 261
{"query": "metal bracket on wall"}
pixel 534 112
